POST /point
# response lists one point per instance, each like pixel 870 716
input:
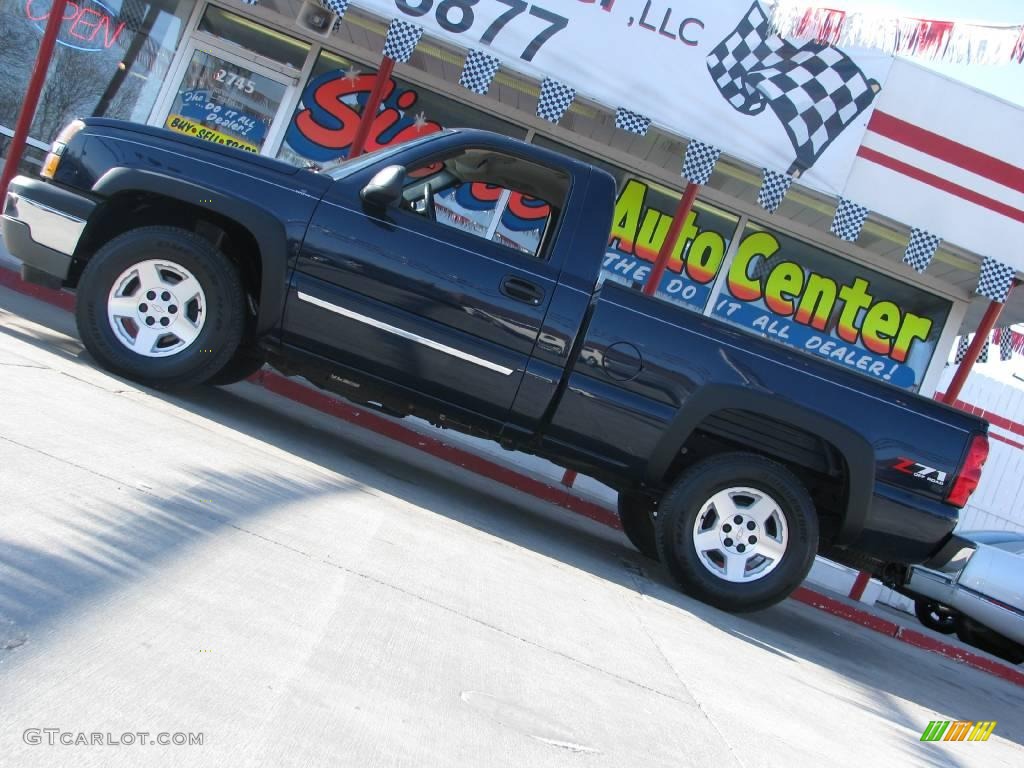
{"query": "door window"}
pixel 225 102
pixel 496 197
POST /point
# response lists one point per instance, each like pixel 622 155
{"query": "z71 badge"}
pixel 911 467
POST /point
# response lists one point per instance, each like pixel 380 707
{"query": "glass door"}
pixel 223 98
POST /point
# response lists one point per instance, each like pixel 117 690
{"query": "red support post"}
pixel 387 66
pixel 569 477
pixel 859 585
pixel 667 247
pixel 981 335
pixel 35 90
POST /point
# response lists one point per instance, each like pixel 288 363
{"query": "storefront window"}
pixel 813 300
pixel 643 214
pixel 111 58
pixel 326 119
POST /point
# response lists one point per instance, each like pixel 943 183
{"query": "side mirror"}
pixel 385 188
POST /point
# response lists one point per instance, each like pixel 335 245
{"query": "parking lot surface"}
pixel 302 593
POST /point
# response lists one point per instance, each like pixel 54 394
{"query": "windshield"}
pixel 345 167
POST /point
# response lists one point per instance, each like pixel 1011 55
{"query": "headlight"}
pixel 57 148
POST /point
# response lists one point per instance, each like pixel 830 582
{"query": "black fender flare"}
pixel 857 452
pixel 263 224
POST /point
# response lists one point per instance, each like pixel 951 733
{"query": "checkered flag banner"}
pixel 251 2
pixel 1005 344
pixel 815 90
pixel 554 100
pixel 774 186
pixel 632 122
pixel 401 40
pixel 994 280
pixel 961 349
pixel 337 7
pixel 478 72
pixel 921 249
pixel 699 161
pixel 849 220
pixel 983 357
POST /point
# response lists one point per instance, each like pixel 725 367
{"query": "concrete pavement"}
pixel 301 592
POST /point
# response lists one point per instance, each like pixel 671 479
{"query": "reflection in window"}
pixel 463 192
pixel 325 121
pixel 111 59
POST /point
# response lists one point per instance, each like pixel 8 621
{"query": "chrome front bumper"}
pixel 42 225
pixel 47 226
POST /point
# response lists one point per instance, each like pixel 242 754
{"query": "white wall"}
pixel 999 501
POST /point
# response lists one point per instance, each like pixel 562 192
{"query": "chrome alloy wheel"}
pixel 740 534
pixel 156 308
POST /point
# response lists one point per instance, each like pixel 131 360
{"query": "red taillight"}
pixel 969 476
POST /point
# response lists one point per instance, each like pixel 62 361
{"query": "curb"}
pixel 340 409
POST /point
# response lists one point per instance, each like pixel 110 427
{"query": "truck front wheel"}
pixel 737 531
pixel 162 306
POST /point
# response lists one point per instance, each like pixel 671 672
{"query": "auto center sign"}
pixel 88 25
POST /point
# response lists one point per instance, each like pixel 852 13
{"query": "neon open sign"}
pixel 88 25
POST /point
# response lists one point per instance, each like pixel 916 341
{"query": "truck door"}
pixel 443 293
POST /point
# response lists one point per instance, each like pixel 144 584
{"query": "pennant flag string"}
pixel 1005 344
pixel 632 122
pixel 774 186
pixel 921 249
pixel 479 72
pixel 950 41
pixel 401 40
pixel 554 101
pixel 338 8
pixel 961 349
pixel 849 220
pixel 994 280
pixel 699 161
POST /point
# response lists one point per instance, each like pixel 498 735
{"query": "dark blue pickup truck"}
pixel 736 460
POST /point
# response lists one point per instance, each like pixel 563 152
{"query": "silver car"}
pixel 979 594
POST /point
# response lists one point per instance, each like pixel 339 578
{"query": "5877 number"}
pixel 459 16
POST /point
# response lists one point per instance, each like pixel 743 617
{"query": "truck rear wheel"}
pixel 737 531
pixel 162 306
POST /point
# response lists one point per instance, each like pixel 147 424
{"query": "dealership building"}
pixel 289 79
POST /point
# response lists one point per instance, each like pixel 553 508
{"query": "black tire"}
pixel 681 507
pixel 935 616
pixel 224 308
pixel 636 513
pixel 243 364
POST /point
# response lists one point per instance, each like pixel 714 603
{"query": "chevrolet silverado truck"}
pixel 395 280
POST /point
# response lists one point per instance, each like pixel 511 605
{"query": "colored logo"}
pixel 958 730
pixel 326 121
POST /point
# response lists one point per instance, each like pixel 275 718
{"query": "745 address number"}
pixel 458 16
